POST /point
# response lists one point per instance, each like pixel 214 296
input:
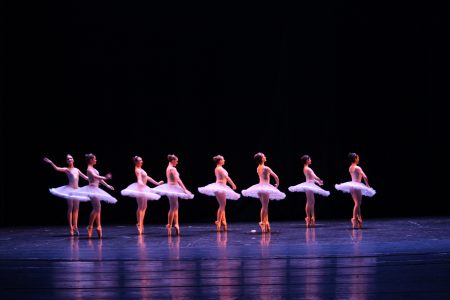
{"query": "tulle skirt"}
pixel 309 186
pixel 65 193
pixel 255 190
pixel 166 189
pixel 93 191
pixel 349 186
pixel 137 190
pixel 212 188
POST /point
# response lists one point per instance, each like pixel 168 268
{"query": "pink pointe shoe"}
pixel 99 232
pixel 89 231
pixel 177 229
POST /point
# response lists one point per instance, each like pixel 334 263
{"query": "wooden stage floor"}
pixel 405 258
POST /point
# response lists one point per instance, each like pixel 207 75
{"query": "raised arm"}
pixel 101 178
pixel 59 169
pixel 82 175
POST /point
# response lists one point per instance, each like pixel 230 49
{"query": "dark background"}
pixel 325 78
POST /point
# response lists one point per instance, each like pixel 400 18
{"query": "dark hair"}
pixel 258 157
pixel 217 158
pixel 352 156
pixel 171 157
pixel 304 158
pixel 89 156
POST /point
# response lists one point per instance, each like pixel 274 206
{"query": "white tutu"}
pixel 93 191
pixel 65 193
pixel 348 186
pixel 166 189
pixel 255 190
pixel 137 190
pixel 309 186
pixel 212 188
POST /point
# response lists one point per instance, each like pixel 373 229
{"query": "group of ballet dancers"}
pixel 223 189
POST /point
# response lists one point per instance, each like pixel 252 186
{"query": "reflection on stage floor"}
pixel 390 259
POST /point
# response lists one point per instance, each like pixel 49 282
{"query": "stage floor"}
pixel 405 258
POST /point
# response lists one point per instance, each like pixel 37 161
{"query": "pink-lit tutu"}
pixel 255 190
pixel 137 190
pixel 92 191
pixel 65 192
pixel 166 189
pixel 212 188
pixel 309 186
pixel 348 186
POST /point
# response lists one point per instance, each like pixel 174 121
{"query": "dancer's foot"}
pixel 71 231
pixel 267 227
pixel 307 221
pixel 169 229
pixel 263 226
pixel 359 222
pixel 225 226
pixel 354 223
pixel 89 231
pixel 139 229
pixel 313 222
pixel 217 225
pixel 99 232
pixel 177 229
pixel 75 231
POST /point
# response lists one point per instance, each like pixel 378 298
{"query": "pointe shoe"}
pixel 354 223
pixel 359 222
pixel 177 229
pixel 307 221
pixel 267 227
pixel 217 225
pixel 169 229
pixel 99 232
pixel 263 226
pixel 89 231
pixel 313 222
pixel 76 232
pixel 225 226
pixel 71 231
pixel 139 229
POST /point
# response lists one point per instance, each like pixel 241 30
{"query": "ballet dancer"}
pixel 141 192
pixel 264 191
pixel 221 191
pixel 356 188
pixel 95 194
pixel 173 189
pixel 73 203
pixel 309 187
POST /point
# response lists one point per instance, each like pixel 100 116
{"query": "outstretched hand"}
pixel 108 176
pixel 47 160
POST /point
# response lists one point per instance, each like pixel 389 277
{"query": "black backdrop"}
pixel 120 79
